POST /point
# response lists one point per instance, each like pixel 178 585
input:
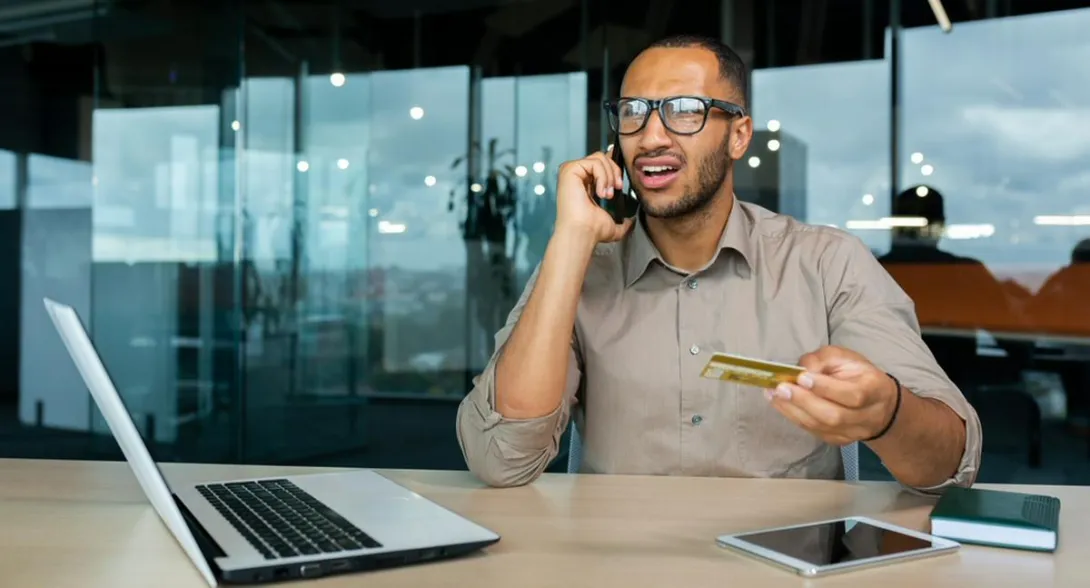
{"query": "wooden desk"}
pixel 87 524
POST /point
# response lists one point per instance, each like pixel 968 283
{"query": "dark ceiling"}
pixel 210 43
pixel 511 36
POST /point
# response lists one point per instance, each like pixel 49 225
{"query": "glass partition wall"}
pixel 414 201
pixel 956 155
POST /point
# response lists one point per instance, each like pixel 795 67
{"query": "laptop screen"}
pixel 109 402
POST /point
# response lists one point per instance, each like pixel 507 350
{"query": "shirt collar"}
pixel 640 251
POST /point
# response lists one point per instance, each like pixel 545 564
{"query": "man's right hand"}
pixel 581 181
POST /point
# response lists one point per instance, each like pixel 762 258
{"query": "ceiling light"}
pixel 387 227
pixel 969 231
pixel 1062 220
pixel 940 15
pixel 888 222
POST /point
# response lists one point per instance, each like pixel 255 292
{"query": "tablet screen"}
pixel 836 542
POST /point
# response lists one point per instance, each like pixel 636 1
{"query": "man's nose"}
pixel 654 134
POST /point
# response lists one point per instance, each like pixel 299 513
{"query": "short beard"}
pixel 711 175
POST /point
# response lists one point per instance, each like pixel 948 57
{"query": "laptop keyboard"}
pixel 281 520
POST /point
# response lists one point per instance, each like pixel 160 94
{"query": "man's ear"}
pixel 741 135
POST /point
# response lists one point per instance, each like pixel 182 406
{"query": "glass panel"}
pixel 552 129
pixel 838 137
pixel 113 177
pixel 421 127
pixel 1017 204
pixel 532 124
pixel 163 181
pixel 353 273
pixel 991 139
pixel 55 258
pixel 999 279
pixel 154 226
pixel 9 192
pixel 269 192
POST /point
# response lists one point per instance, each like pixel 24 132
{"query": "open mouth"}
pixel 658 170
pixel 658 176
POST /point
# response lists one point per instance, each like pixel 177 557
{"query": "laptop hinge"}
pixel 208 546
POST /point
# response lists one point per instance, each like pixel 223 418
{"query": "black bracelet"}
pixel 896 409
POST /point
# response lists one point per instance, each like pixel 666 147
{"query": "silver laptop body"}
pixel 273 529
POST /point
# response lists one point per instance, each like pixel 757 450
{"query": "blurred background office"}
pixel 293 226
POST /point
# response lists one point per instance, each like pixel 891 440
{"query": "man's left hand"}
pixel 841 397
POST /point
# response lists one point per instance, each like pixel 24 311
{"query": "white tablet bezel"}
pixel 737 542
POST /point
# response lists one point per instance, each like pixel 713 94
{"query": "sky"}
pixel 999 108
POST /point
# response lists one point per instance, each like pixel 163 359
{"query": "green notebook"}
pixel 997 518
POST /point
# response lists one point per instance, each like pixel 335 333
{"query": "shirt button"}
pixel 692 284
pixel 694 349
pixel 697 419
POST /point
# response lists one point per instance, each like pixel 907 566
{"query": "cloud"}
pixel 1042 133
pixel 998 108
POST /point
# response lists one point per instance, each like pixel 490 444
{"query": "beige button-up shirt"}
pixel 776 290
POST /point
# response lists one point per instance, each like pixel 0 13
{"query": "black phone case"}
pixel 622 205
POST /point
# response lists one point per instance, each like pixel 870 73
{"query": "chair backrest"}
pixel 848 453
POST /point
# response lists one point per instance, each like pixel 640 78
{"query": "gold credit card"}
pixel 749 371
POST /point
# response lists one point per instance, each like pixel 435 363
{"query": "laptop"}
pixel 260 530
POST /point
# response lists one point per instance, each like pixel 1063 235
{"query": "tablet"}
pixel 836 545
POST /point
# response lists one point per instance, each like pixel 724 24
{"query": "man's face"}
pixel 676 175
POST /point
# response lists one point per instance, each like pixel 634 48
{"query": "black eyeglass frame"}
pixel 611 106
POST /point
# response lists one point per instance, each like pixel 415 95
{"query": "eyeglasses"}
pixel 682 115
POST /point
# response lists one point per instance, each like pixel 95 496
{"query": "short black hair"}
pixel 931 205
pixel 731 67
pixel 1081 252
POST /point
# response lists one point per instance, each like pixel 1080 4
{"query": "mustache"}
pixel 659 153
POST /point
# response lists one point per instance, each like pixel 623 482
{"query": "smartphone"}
pixel 623 204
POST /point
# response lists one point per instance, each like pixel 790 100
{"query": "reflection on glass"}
pixel 156 183
pixel 990 233
pixel 363 229
pixel 969 139
pixel 9 195
pixel 156 191
pixel 55 182
pixel 419 127
pixel 843 129
pixel 529 126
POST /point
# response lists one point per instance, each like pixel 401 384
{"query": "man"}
pixel 619 319
pixel 950 292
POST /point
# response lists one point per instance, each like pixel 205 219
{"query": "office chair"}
pixel 849 454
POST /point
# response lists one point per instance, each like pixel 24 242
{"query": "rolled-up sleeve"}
pixel 512 452
pixel 872 315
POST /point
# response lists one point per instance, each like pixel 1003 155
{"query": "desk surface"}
pixel 87 524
